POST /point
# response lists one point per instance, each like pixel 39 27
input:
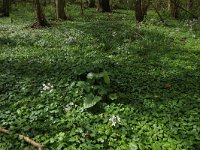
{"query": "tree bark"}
pixel 141 8
pixel 60 10
pixel 106 6
pixel 6 5
pixel 41 20
pixel 99 5
pixel 91 3
pixel 174 8
pixel 190 4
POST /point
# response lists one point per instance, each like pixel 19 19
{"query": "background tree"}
pixel 5 8
pixel 106 6
pixel 41 20
pixel 174 8
pixel 190 4
pixel 141 7
pixel 91 3
pixel 98 3
pixel 60 9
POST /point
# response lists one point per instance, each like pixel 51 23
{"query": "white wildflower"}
pixel 47 87
pixel 69 106
pixel 71 40
pixel 71 103
pixel 115 120
pixel 114 34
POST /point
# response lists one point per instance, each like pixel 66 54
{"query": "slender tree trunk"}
pixel 91 3
pixel 106 6
pixel 190 4
pixel 141 8
pixel 99 5
pixel 158 4
pixel 169 5
pixel 6 5
pixel 60 9
pixel 41 20
pixel 82 11
pixel 174 8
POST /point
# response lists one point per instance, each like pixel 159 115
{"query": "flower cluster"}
pixel 191 23
pixel 114 120
pixel 69 106
pixel 47 87
pixel 71 40
pixel 114 34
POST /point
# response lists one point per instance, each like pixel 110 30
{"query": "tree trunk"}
pixel 6 5
pixel 158 4
pixel 82 11
pixel 174 8
pixel 41 20
pixel 169 5
pixel 106 6
pixel 141 8
pixel 190 4
pixel 91 3
pixel 99 5
pixel 60 10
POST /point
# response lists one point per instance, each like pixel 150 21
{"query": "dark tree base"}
pixel 105 5
pixel 38 25
pixel 3 15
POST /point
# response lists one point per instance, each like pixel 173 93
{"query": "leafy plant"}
pixel 96 88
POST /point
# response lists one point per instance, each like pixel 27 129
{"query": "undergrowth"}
pixel 152 71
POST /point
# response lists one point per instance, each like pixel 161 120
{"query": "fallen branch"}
pixel 140 35
pixel 25 138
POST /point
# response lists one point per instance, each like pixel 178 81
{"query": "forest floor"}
pixel 147 79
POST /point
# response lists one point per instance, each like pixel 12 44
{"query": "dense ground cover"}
pixel 153 69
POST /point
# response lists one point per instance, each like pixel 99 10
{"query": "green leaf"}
pixel 91 100
pixel 102 91
pixel 100 75
pixel 106 78
pixel 133 146
pixel 112 96
pixel 156 146
pixel 81 84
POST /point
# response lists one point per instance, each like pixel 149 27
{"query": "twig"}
pixel 140 35
pixel 25 138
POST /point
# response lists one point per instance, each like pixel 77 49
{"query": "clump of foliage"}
pixel 97 88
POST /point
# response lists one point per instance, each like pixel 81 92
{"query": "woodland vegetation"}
pixel 99 74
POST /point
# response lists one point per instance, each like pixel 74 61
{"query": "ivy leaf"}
pixel 83 85
pixel 112 96
pixel 106 78
pixel 156 146
pixel 133 146
pixel 91 100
